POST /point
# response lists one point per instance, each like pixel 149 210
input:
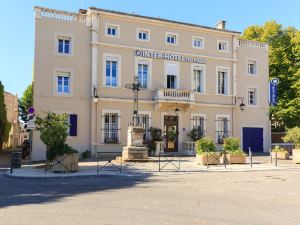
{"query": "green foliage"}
pixel 171 135
pixel 86 154
pixel 284 57
pixel 194 134
pixel 6 131
pixel 53 132
pixel 25 102
pixel 231 144
pixel 206 144
pixel 279 149
pixel 3 117
pixel 293 135
pixel 156 135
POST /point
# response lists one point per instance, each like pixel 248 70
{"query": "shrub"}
pixel 279 149
pixel 86 154
pixel 195 135
pixel 156 135
pixel 232 146
pixel 205 145
pixel 293 135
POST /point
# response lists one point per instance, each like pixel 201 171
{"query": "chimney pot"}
pixel 221 25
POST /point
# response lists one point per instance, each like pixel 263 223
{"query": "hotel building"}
pixel 194 77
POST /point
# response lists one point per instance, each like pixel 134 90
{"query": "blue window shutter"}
pixel 73 125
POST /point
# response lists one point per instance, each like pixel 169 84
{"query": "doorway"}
pixel 171 133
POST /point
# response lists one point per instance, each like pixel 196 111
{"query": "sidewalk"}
pixel 187 165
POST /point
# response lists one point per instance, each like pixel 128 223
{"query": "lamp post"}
pixel 236 101
pixel 95 100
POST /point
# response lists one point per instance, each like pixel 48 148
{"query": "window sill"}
pixel 64 54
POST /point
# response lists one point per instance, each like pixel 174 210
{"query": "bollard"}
pixel 271 155
pixel 225 159
pixel 206 160
pixel 276 159
pixel 250 156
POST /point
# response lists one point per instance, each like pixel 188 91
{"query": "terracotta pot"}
pixel 210 159
pixel 281 155
pixel 296 155
pixel 65 163
pixel 236 159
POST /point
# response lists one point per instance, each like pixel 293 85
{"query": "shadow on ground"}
pixel 15 192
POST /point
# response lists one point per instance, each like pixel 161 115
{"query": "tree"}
pixel 25 102
pixel 284 58
pixel 3 117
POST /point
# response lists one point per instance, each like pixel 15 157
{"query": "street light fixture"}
pixel 236 100
pixel 95 97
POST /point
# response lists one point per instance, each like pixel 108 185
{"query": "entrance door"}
pixel 253 137
pixel 171 129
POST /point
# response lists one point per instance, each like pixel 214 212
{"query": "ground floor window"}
pixel 144 122
pixel 222 124
pixel 198 126
pixel 111 128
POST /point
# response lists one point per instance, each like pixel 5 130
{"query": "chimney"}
pixel 221 25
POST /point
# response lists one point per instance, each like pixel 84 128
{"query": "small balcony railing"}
pixel 175 95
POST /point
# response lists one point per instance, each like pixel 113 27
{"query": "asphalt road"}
pixel 199 198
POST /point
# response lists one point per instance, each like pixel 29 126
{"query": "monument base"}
pixel 135 154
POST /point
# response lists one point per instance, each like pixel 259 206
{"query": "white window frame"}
pixel 218 68
pixel 112 57
pixel 227 46
pixel 221 116
pixel 247 94
pixel 203 68
pixel 117 26
pixel 148 113
pixel 58 36
pixel 177 75
pixel 199 38
pixel 70 73
pixel 199 115
pixel 172 34
pixel 256 67
pixel 148 31
pixel 107 111
pixel 149 63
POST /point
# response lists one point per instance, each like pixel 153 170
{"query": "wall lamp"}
pixel 95 96
pixel 237 100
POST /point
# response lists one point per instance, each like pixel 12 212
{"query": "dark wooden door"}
pixel 253 137
pixel 171 131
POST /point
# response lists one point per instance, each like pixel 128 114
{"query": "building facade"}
pixel 194 77
pixel 11 102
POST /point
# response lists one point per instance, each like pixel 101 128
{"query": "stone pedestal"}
pixel 135 151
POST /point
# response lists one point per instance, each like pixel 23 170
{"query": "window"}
pixel 63 83
pixel 198 80
pixel 252 96
pixel 251 67
pixel 171 81
pixel 171 39
pixel 111 73
pixel 144 122
pixel 222 81
pixel 198 126
pixel 143 74
pixel 198 42
pixel 222 124
pixel 64 45
pixel 112 30
pixel 222 46
pixel 72 121
pixel 111 128
pixel 143 34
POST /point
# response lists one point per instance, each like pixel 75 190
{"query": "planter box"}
pixel 236 159
pixel 65 163
pixel 296 155
pixel 210 159
pixel 281 155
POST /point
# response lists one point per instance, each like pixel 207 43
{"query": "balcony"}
pixel 174 95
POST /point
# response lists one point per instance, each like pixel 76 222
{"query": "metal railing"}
pixel 174 94
pixel 109 161
pixel 169 158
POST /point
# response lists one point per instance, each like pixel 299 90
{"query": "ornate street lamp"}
pixel 237 100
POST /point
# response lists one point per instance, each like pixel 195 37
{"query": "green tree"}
pixel 25 102
pixel 3 117
pixel 284 58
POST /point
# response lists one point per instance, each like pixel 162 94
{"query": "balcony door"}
pixel 171 132
pixel 171 75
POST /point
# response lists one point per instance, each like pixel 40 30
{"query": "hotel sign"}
pixel 167 56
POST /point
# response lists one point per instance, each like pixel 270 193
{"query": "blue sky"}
pixel 17 23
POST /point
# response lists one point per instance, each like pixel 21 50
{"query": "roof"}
pixel 164 20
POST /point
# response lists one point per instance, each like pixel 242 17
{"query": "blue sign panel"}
pixel 273 91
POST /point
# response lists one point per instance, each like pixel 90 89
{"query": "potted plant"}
pixel 280 152
pixel 235 155
pixel 206 152
pixel 171 134
pixel 155 136
pixel 195 135
pixel 293 135
pixel 53 133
